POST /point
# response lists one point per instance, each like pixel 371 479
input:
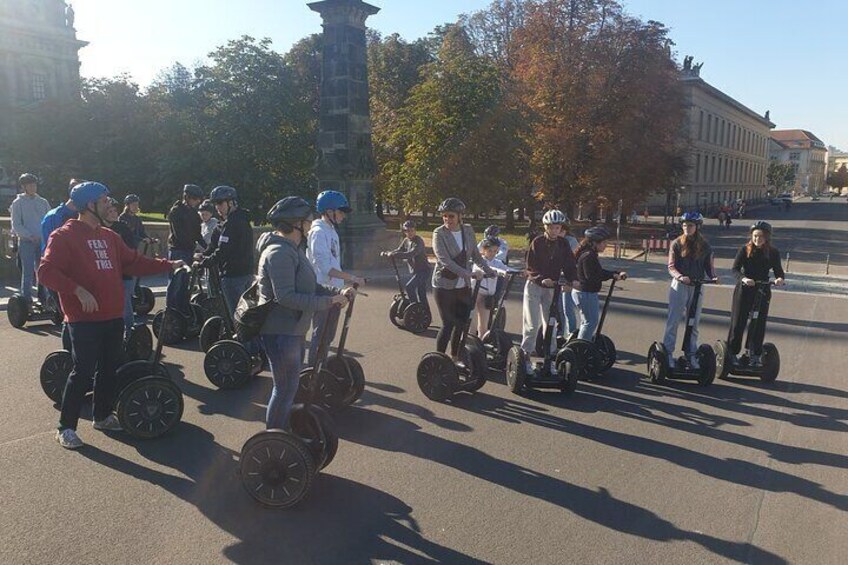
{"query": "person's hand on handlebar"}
pixel 356 280
pixel 349 292
pixel 622 276
pixel 779 281
pixel 477 275
pixel 748 282
pixel 548 283
pixel 685 280
pixel 178 264
pixel 340 299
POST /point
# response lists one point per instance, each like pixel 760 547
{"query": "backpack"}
pixel 250 315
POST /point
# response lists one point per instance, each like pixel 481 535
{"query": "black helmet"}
pixel 289 209
pixel 222 194
pixel 207 206
pixel 452 205
pixel 490 242
pixel 131 198
pixel 27 178
pixel 761 225
pixel 492 231
pixel 113 203
pixel 192 191
pixel 597 233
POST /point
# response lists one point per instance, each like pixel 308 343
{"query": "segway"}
pixel 439 377
pixel 57 365
pixel 769 368
pixel 210 299
pixel 403 313
pixel 557 370
pixel 143 300
pixel 187 317
pixel 341 380
pixel 278 467
pixel 658 366
pixel 20 312
pixel 228 364
pixel 598 355
pixel 496 342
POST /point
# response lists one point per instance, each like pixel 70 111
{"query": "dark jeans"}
pixel 454 308
pixel 416 287
pixel 743 301
pixel 96 348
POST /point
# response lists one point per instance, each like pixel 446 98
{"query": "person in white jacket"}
pixel 27 211
pixel 489 286
pixel 324 253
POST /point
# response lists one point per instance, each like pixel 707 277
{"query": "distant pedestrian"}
pixel 27 212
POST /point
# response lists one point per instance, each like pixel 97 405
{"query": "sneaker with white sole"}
pixel 108 424
pixel 69 439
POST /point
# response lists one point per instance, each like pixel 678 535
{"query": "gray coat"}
pixel 286 275
pixel 445 249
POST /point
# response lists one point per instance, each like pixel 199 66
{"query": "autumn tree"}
pixel 780 175
pixel 838 179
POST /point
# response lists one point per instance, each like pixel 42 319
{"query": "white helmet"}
pixel 554 217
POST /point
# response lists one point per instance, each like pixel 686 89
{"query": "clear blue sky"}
pixel 778 55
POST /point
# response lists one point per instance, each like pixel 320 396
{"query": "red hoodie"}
pixel 95 259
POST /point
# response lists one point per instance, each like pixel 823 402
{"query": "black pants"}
pixel 454 307
pixel 97 348
pixel 743 301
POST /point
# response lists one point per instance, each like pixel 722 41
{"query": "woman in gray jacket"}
pixel 455 247
pixel 285 275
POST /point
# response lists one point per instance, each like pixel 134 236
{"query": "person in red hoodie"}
pixel 84 262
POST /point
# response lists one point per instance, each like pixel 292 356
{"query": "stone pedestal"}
pixel 346 159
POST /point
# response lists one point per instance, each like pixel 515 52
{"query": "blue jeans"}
pixel 29 253
pixel 129 314
pixel 319 319
pixel 590 312
pixel 284 354
pixel 416 287
pixel 96 348
pixel 232 289
pixel 568 311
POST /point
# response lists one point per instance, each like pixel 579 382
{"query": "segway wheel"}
pixel 145 301
pixel 212 307
pixel 211 333
pixel 54 374
pixel 276 469
pixel 227 365
pixel 330 392
pixel 395 310
pixel 150 407
pixel 135 370
pixel 722 359
pixel 587 356
pixel 347 371
pixel 516 369
pixel 657 363
pixel 606 353
pixel 771 363
pixel 317 430
pixel 140 343
pixel 417 317
pixel 474 357
pixel 175 331
pixel 499 344
pixel 567 370
pixel 437 376
pixel 18 311
pixel 707 360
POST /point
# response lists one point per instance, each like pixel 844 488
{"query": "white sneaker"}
pixel 69 439
pixel 108 424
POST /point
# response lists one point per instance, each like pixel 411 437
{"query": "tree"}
pixel 838 179
pixel 780 175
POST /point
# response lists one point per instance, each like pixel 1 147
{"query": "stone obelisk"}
pixel 345 153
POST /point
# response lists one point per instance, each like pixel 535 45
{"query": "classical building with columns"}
pixel 39 60
pixel 728 146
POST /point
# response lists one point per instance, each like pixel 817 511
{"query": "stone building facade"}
pixel 807 154
pixel 39 59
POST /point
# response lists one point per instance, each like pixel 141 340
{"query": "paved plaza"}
pixel 623 471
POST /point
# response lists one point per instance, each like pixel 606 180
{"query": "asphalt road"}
pixel 622 471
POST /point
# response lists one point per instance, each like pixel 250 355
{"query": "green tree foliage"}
pixel 780 175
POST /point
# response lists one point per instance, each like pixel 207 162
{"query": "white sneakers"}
pixel 108 424
pixel 69 439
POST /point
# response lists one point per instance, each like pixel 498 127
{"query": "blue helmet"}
pixel 692 217
pixel 222 194
pixel 332 200
pixel 87 192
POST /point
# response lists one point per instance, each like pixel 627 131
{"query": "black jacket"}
pixel 590 274
pixel 758 265
pixel 185 228
pixel 233 252
pixel 414 253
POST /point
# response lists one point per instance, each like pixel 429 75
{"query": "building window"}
pixel 795 156
pixel 701 126
pixel 698 167
pixel 39 86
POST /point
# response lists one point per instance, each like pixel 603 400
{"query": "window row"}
pixel 718 131
pixel 724 170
